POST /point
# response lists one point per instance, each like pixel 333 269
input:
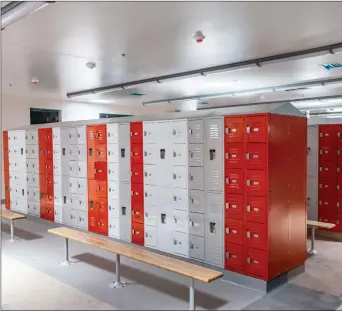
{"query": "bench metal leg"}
pixel 66 262
pixel 12 231
pixel 313 251
pixel 192 295
pixel 118 283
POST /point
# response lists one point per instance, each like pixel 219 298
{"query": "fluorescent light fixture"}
pixel 213 96
pixel 253 92
pixel 83 94
pixel 101 101
pixel 180 100
pixel 333 116
pixel 176 78
pixel 114 89
pixel 229 69
pixel 297 87
pixel 332 82
pixel 292 58
pixel 338 50
pixel 132 86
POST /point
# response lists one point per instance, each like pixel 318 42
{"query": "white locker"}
pixel 57 181
pixel 180 199
pixel 69 135
pixel 57 153
pixel 114 228
pixel 82 169
pixel 56 135
pixel 113 153
pixel 125 221
pixel 58 198
pixel 82 220
pixel 83 203
pixel 164 231
pixel 179 131
pixel 124 133
pixel 32 166
pixel 196 201
pixel 17 152
pixel 32 137
pixel 165 199
pixel 113 209
pixel 113 190
pixel 150 236
pixel 72 217
pixel 164 176
pixel 113 171
pixel 32 180
pixel 149 174
pixel 33 194
pixel 74 201
pixel 214 205
pixel 19 192
pixel 150 132
pixel 179 176
pixel 163 132
pixel 82 186
pixel 58 213
pixel 150 217
pixel 196 178
pixel 196 224
pixel 150 154
pixel 57 167
pixel 112 133
pixel 125 162
pixel 196 247
pixel 81 135
pixel 72 152
pixel 196 155
pixel 196 131
pixel 73 184
pixel 33 208
pixel 180 221
pixel 180 244
pixel 73 169
pixel 32 152
pixel 17 165
pixel 214 248
pixel 16 138
pixel 82 152
pixel 66 185
pixel 150 195
pixel 180 154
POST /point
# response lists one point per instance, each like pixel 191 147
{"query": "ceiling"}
pixel 55 43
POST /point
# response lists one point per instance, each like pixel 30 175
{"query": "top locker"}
pixel 32 137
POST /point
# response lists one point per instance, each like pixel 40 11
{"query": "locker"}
pixel 33 180
pixel 33 208
pixel 196 155
pixel 114 227
pixel 150 215
pixel 83 202
pixel 100 171
pixel 16 138
pixel 214 242
pixel 214 205
pixel 150 154
pixel 327 169
pixel 164 176
pixel 179 177
pixel 113 171
pixel 180 199
pixel 256 156
pixel 196 224
pixel 338 206
pixel 196 201
pixel 234 231
pixel 92 224
pixel 102 208
pixel 196 131
pixel 138 212
pixel 57 181
pixel 113 153
pixel 150 195
pixel 329 204
pixel 57 168
pixel 32 152
pixel 82 186
pixel 163 153
pixel 234 181
pixel 150 132
pixel 256 262
pixel 82 152
pixel 81 135
pixel 33 194
pixel 150 236
pixel 179 131
pixel 57 199
pixel 82 169
pixel 97 189
pixel 112 133
pixel 196 247
pixel 113 189
pixel 73 217
pixel 256 182
pixel 124 134
pixel 138 233
pixel 234 257
pixel 113 209
pixel 56 135
pixel 82 220
pixel 180 244
pixel 165 199
pixel 72 185
pixel 149 174
pixel 164 231
pixel 125 222
pixel 73 169
pixel 137 171
pixel 16 152
pixel 327 135
pixel 70 135
pixel 136 129
pixel 234 156
pixel 58 214
pixel 19 192
pixel 137 194
pixel 18 165
pixel 234 206
pixel 32 137
pixel 137 154
pixel 256 129
pixel 214 178
pixel 234 129
pixel 101 153
pixel 196 178
pixel 256 235
pixel 180 221
pixel 256 209
pixel 164 132
pixel 57 153
pixel 326 187
pixel 70 152
pixel 327 153
pixel 326 216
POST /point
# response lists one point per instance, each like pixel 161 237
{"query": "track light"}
pixel 177 78
pixel 253 92
pixel 295 87
pixel 232 69
pixel 113 89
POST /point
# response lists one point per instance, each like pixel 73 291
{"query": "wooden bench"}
pixel 5 213
pixel 194 272
pixel 317 225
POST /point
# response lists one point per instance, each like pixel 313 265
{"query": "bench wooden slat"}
pixel 174 265
pixel 8 214
pixel 320 225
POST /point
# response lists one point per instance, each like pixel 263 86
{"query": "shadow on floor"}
pixel 19 233
pixel 177 290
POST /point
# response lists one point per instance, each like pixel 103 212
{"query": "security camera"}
pixel 199 37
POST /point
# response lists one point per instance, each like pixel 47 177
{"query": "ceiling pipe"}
pixel 259 62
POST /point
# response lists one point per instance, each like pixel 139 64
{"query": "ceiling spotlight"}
pixel 91 65
pixel 35 80
pixel 199 36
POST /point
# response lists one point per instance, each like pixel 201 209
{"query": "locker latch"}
pixel 162 153
pixel 228 230
pixel 248 260
pixel 174 198
pixel 175 218
pixel 174 154
pixel 174 241
pixel 227 180
pixel 191 245
pixel 123 210
pixel 227 255
pixel 248 182
pixel 163 218
pixel 90 151
pixel 91 203
pixel 212 154
pixel 227 205
pixel 248 129
pixel 174 176
pixel 248 208
pixel 227 130
pixel 309 201
pixel 247 156
pixel 248 234
pixel 123 152
pixel 212 227
pixel 191 223
pixel 42 195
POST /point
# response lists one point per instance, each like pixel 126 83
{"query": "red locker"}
pixel 136 133
pixel 256 156
pixel 339 205
pixel 256 236
pixel 256 262
pixel 137 154
pixel 137 174
pixel 327 153
pixel 234 231
pixel 256 182
pixel 48 167
pixel 93 223
pixel 102 226
pixel 234 206
pixel 327 216
pixel 256 128
pixel 5 150
pixel 138 213
pixel 234 257
pixel 327 135
pixel 91 134
pixel 234 129
pixel 97 189
pixel 338 128
pixel 101 134
pixel 234 155
pixel 234 181
pixel 256 209
pixel 138 233
pixel 93 210
pixel 137 194
pixel 100 171
pixel 6 170
pixel 327 169
pixel 101 153
pixel 326 187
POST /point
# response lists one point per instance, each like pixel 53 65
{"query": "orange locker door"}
pixel 137 196
pixel 256 182
pixel 101 153
pixel 102 226
pixel 138 212
pixel 234 231
pixel 102 208
pixel 234 155
pixel 256 156
pixel 91 134
pixel 136 133
pixel 256 262
pixel 327 135
pixel 256 235
pixel 256 129
pixel 256 209
pixel 48 167
pixel 137 155
pixel 101 135
pixel 92 218
pixel 100 172
pixel 137 172
pixel 234 181
pixel 48 137
pixel 234 206
pixel 234 129
pixel 5 150
pixel 138 233
pixel 234 257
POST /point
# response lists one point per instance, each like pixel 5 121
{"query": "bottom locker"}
pixel 33 208
pixel 138 233
pixel 180 244
pixel 58 213
pixel 150 236
pixel 82 220
pixel 125 223
pixel 234 257
pixel 214 242
pixel 196 247
pixel 114 228
pixel 256 262
pixel 164 238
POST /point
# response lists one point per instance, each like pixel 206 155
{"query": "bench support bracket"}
pixel 66 262
pixel 313 251
pixel 12 231
pixel 118 283
pixel 192 295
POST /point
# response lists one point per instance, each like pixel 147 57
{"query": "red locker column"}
pixel 137 183
pixel 6 169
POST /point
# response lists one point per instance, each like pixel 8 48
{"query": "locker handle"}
pixel 227 130
pixel 146 235
pixel 145 133
pixel 146 214
pixel 227 180
pixel 145 174
pixel 247 155
pixel 228 230
pixel 248 208
pixel 227 255
pixel 174 241
pixel 248 182
pixel 309 201
pixel 191 223
pixel 227 155
pixel 175 219
pixel 42 195
pixel 174 198
pixel 190 131
pixel 338 134
pixel 248 260
pixel 191 177
pixel 191 245
pixel 248 234
pixel 146 194
pixel 192 200
pixel 248 129
pixel 133 231
pixel 133 212
pixel 174 154
pixel 174 176
pixel 191 154
pixel 227 205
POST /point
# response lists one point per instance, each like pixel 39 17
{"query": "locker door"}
pixel 58 214
pixel 196 224
pixel 150 236
pixel 196 201
pixel 73 169
pixel 137 174
pixel 164 132
pixel 103 226
pixel 339 206
pixel 97 189
pixel 180 244
pixel 179 154
pixel 102 208
pixel 73 184
pixel 164 237
pixel 256 182
pixel 214 243
pixel 256 209
pixel 150 195
pixel 256 156
pixel 234 129
pixel 327 153
pixel 196 178
pixel 180 199
pixel 56 135
pixel 179 131
pixel 57 153
pixel 150 215
pixel 125 222
pixel 327 135
pixel 137 194
pixel 112 133
pixel 82 186
pixel 82 220
pixel 81 135
pixel 136 129
pixel 180 178
pixel 234 231
pixel 234 257
pixel 83 202
pixel 71 135
pixel 165 176
pixel 150 154
pixel 214 205
pixel 196 131
pixel 137 155
pixel 113 189
pixel 327 169
pixel 114 228
pixel 165 199
pixel 101 171
pixel 149 174
pixel 328 204
pixel 138 233
pixel 326 187
pixel 196 155
pixel 125 165
pixel 138 212
pixel 150 132
pixel 113 171
pixel 101 135
pixel 234 207
pixel 82 152
pixel 256 262
pixel 82 169
pixel 256 129
pixel 180 221
pixel 113 153
pixel 234 181
pixel 214 178
pixel 101 153
pixel 234 155
pixel 196 247
pixel 256 235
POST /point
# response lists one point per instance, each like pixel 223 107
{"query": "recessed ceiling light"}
pixel 101 101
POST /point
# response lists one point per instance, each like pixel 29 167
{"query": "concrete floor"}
pixel 41 283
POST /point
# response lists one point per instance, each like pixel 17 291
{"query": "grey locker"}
pixel 196 131
pixel 113 208
pixel 124 133
pixel 179 131
pixel 180 199
pixel 125 162
pixel 163 153
pixel 32 137
pixel 196 178
pixel 69 135
pixel 83 203
pixel 66 185
pixel 82 152
pixel 196 154
pixel 73 185
pixel 214 205
pixel 114 228
pixel 214 242
pixel 214 179
pixel 165 176
pixel 82 169
pixel 72 151
pixel 82 220
pixel 196 201
pixel 150 132
pixel 56 136
pixel 125 222
pixel 150 195
pixel 180 244
pixel 150 236
pixel 58 213
pixel 81 135
pixel 180 221
pixel 33 194
pixel 180 154
pixel 196 224
pixel 113 171
pixel 149 174
pixel 57 167
pixel 32 166
pixel 150 215
pixel 113 190
pixel 112 153
pixel 150 154
pixel 72 217
pixel 33 208
pixel 32 152
pixel 112 133
pixel 82 186
pixel 57 153
pixel 196 247
pixel 179 176
pixel 164 232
